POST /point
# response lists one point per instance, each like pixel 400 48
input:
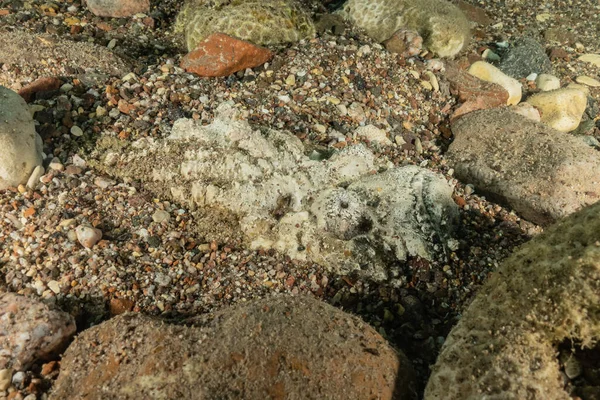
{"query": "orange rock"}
pixel 45 84
pixel 223 55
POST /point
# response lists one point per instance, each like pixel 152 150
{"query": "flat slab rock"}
pixel 340 212
pixel 31 331
pixel 27 49
pixel 277 348
pixel 541 173
pixel 547 292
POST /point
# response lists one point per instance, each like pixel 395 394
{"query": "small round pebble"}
pixel 88 236
pixel 160 216
pixel 76 131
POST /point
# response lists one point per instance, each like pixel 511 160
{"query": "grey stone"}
pixel 524 57
pixel 541 173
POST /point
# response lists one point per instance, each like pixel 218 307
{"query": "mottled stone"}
pixel 277 348
pixel 523 57
pixel 31 331
pixel 542 174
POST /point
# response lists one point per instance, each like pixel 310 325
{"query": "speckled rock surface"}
pixel 279 348
pixel 20 145
pixel 339 212
pixel 260 22
pixel 545 293
pixel 541 173
pixel 443 26
pixel 30 331
pixel 525 56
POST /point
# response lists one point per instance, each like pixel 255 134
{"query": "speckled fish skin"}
pixel 443 26
pixel 260 22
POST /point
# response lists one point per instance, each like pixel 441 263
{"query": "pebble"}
pixel 320 128
pixel 547 82
pixel 18 378
pixel 591 58
pixel 290 80
pixel 160 216
pixel 56 165
pixel 54 286
pixel 87 235
pixel 373 134
pixel 5 379
pixel 572 367
pixel 34 179
pixel 588 81
pixel 433 80
pixel 76 131
pixel 489 73
pixel 531 77
pixel 561 109
pixel 490 55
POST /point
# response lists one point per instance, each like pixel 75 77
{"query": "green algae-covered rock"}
pixel 443 26
pixel 264 22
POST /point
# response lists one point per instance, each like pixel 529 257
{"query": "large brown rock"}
pixel 547 292
pixel 31 331
pixel 541 173
pixel 278 348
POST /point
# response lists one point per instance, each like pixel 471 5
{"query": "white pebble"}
pixel 34 179
pixel 54 286
pixel 88 236
pixel 547 82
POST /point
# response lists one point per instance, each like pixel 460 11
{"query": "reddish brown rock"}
pixel 40 85
pixel 276 348
pixel 31 331
pixel 223 55
pixel 120 306
pixel 475 93
pixel 118 8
